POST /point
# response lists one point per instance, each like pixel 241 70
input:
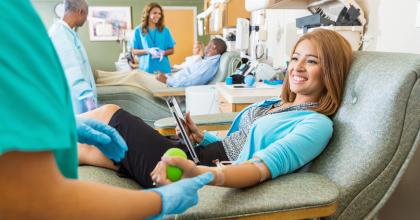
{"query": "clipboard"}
pixel 179 118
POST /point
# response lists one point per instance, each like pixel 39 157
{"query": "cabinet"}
pixel 224 15
pixel 235 99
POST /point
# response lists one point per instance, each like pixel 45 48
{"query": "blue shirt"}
pixel 284 141
pixel 75 63
pixel 154 38
pixel 197 74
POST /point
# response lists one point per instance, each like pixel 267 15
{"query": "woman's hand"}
pixel 161 77
pixel 192 129
pixel 188 167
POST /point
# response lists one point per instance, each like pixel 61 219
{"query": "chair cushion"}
pixel 136 100
pixel 105 176
pixel 286 193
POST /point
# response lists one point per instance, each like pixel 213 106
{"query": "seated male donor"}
pixel 200 73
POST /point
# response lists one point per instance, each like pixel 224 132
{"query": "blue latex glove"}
pixel 179 196
pixel 104 137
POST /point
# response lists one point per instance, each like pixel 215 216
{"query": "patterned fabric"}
pixel 234 143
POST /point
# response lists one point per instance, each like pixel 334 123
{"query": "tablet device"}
pixel 179 119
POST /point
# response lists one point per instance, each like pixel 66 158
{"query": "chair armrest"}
pixel 170 91
pixel 293 196
pixel 211 122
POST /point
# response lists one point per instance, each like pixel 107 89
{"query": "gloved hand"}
pixel 155 52
pixel 179 196
pixel 104 137
pixel 161 55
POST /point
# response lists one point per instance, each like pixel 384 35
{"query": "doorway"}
pixel 182 24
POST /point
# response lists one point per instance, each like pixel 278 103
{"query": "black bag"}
pixel 237 79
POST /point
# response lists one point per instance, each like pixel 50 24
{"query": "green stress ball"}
pixel 174 173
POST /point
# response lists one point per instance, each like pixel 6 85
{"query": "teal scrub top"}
pixel 36 112
pixel 154 38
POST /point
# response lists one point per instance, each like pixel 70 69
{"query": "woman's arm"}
pixel 139 51
pixel 33 188
pixel 235 176
pixel 169 52
pixel 303 144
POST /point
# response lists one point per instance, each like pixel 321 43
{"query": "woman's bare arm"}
pixel 32 187
pixel 169 52
pixel 139 51
pixel 235 176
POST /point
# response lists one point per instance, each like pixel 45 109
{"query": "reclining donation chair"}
pixel 376 132
pixel 147 101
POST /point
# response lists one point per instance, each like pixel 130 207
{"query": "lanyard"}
pixel 153 39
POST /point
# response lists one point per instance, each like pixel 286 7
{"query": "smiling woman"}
pixel 320 59
pixel 152 41
pixel 267 139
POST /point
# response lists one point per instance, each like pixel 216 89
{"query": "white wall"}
pixel 391 26
pixel 282 23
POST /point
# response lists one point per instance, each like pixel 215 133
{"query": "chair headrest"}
pixel 228 61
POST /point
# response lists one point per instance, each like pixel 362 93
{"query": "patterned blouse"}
pixel 234 142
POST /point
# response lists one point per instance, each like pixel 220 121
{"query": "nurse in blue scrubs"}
pixel 152 41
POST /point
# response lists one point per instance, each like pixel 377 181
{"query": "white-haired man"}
pixel 73 55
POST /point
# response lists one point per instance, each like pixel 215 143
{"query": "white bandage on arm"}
pixel 264 173
pixel 220 174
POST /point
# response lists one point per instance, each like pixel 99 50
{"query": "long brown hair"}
pixel 335 56
pixel 146 14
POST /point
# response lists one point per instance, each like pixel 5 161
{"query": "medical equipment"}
pixel 242 35
pixel 264 71
pixel 254 5
pixel 124 38
pixel 311 21
pixel 273 32
pixel 229 35
pixel 260 71
pixel 249 80
pixel 200 17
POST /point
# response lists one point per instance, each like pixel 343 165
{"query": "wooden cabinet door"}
pixel 235 9
pixel 181 21
pixel 225 15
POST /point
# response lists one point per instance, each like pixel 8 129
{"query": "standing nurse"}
pixel 152 41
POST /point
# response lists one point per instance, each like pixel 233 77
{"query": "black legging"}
pixel 146 147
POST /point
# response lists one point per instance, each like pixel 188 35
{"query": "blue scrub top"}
pixel 36 112
pixel 154 38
